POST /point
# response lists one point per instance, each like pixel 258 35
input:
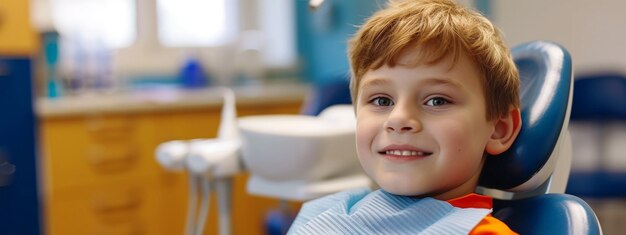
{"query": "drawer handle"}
pixel 109 129
pixel 101 127
pixel 115 202
pixel 111 158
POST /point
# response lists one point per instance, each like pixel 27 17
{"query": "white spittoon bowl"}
pixel 299 147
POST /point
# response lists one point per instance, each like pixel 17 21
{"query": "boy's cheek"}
pixel 363 134
pixel 364 127
pixel 364 144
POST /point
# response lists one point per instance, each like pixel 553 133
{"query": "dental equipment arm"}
pixel 207 160
pixel 215 160
pixel 172 156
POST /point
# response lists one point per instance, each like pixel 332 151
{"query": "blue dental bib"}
pixel 379 212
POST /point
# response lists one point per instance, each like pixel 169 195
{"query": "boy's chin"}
pixel 402 190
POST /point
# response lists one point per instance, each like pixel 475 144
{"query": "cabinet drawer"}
pixel 154 205
pixel 114 208
pixel 85 150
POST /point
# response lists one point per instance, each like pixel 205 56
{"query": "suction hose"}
pixel 215 160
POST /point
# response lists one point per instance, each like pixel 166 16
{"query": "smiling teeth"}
pixel 404 153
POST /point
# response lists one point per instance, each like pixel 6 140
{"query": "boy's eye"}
pixel 382 101
pixel 437 101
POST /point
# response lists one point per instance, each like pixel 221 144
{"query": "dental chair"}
pixel 528 181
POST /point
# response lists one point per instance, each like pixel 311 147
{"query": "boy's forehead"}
pixel 416 56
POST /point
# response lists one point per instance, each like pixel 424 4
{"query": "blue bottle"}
pixel 192 74
pixel 51 52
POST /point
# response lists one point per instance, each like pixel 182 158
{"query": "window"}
pixel 110 23
pixel 278 25
pixel 196 23
pixel 160 32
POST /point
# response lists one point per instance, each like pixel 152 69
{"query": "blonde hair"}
pixel 440 27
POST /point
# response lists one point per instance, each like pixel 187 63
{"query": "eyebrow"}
pixel 375 82
pixel 434 80
pixel 442 81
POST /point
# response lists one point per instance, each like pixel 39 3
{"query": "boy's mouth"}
pixel 405 153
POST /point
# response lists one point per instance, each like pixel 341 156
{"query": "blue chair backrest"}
pixel 546 83
pixel 533 202
pixel 323 95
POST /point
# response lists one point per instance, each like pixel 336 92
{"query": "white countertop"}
pixel 166 99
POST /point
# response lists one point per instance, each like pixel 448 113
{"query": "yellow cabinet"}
pixel 100 176
pixel 17 36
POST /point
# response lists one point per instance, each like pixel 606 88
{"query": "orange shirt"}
pixel 489 225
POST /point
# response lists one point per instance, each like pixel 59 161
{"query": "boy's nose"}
pixel 403 121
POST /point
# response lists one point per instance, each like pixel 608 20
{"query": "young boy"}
pixel 436 92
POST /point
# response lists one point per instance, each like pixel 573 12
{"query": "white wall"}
pixel 594 31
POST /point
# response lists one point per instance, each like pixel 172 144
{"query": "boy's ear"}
pixel 505 132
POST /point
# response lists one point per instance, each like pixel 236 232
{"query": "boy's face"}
pixel 422 130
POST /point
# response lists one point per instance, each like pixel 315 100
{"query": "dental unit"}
pixel 289 157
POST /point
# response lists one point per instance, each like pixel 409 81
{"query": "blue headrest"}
pixel 546 81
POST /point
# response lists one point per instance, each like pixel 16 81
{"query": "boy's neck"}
pixel 459 191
